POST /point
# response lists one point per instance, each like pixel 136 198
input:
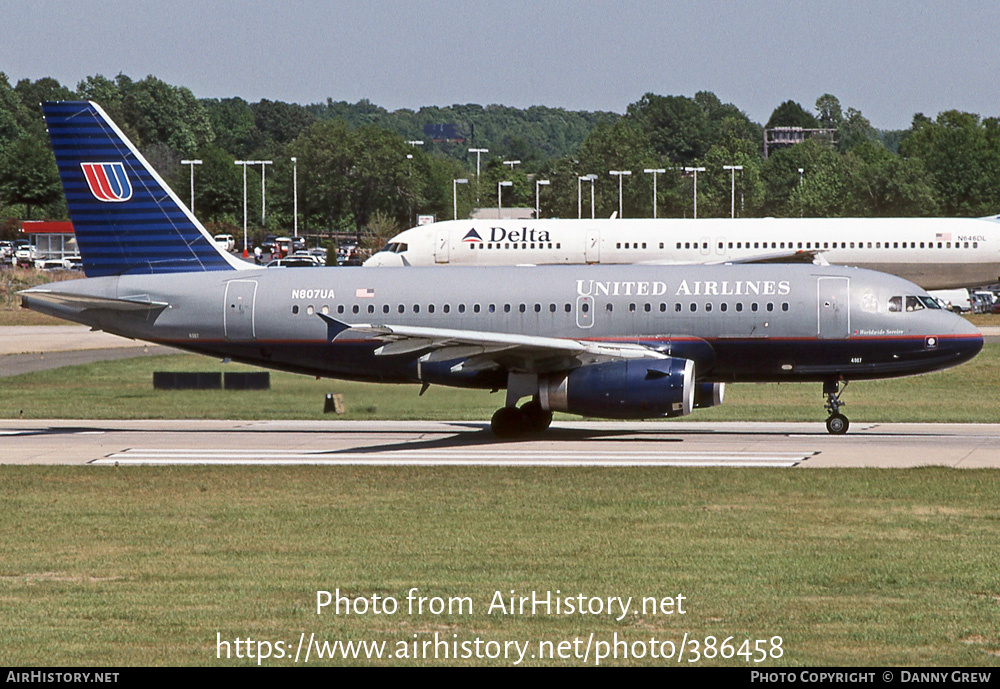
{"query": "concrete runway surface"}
pixel 582 443
pixel 469 443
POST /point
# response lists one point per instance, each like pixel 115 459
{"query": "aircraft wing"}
pixel 800 256
pixel 484 350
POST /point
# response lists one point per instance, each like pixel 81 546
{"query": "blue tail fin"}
pixel 127 220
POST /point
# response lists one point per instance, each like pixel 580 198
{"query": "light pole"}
pixel 244 163
pixel 512 163
pixel 654 172
pixel 592 177
pixel 409 157
pixel 478 152
pixel 263 203
pixel 500 187
pixel 732 192
pixel 620 174
pixel 454 193
pixel 695 170
pixel 192 163
pixel 295 195
pixel 538 208
pixel 801 170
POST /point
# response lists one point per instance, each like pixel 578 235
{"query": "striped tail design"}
pixel 126 219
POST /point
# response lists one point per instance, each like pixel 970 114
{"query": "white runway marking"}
pixel 456 457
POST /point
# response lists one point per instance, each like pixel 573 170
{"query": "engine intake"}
pixel 631 389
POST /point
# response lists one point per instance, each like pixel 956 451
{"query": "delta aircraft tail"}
pixel 126 219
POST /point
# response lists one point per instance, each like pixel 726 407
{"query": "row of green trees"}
pixel 358 169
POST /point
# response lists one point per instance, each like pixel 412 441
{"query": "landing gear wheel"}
pixel 837 424
pixel 507 422
pixel 533 418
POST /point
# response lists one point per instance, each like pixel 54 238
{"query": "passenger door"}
pixel 441 246
pixel 239 314
pixel 834 308
pixel 592 250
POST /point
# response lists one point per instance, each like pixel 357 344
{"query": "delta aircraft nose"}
pixel 383 259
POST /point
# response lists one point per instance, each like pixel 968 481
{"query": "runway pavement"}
pixel 30 348
pixel 683 443
pixel 435 443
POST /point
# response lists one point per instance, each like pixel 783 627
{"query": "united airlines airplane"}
pixel 935 253
pixel 617 341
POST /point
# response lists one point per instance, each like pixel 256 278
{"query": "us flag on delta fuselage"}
pixel 367 293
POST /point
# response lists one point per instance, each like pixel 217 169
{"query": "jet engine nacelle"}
pixel 631 389
pixel 709 395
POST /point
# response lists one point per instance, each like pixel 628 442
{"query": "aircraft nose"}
pixel 966 340
pixel 383 259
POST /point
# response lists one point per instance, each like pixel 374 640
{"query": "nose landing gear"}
pixel 836 423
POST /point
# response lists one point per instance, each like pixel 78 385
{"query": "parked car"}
pixel 6 250
pixel 307 256
pixel 226 242
pixel 49 264
pixel 74 262
pixel 292 262
pixel 982 302
pixel 26 255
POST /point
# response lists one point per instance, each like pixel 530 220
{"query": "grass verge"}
pixel 144 566
pixel 124 390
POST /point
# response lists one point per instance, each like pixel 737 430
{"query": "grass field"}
pixel 123 389
pixel 849 567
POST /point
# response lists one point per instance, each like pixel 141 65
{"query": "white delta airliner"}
pixel 935 253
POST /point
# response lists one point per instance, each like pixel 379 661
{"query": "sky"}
pixel 889 60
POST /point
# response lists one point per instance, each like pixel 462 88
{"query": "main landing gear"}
pixel 510 422
pixel 836 423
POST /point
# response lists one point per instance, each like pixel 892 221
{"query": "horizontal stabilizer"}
pixel 83 302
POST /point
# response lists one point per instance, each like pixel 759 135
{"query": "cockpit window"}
pixel 390 247
pixel 401 247
pixel 912 303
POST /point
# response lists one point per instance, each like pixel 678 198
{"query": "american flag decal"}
pixel 366 293
pixel 943 236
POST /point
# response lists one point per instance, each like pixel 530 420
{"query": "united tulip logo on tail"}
pixel 107 181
